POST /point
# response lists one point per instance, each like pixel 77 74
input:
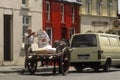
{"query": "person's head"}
pixel 29 30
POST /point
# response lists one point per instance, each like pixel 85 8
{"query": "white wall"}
pixel 1 36
pixel 86 23
pixel 10 3
pixel 13 7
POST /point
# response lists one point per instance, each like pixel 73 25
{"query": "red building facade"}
pixel 60 19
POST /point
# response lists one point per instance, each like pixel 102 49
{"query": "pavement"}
pixel 11 69
pixel 19 69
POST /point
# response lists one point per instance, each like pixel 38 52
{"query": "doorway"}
pixel 49 32
pixel 7 38
pixel 64 32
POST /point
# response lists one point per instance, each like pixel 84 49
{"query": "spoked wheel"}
pixel 32 66
pixel 64 62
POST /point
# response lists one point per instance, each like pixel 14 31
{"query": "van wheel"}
pixel 107 65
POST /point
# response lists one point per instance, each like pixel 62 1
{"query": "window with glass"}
pixel 62 13
pixel 104 41
pixel 26 23
pixel 99 6
pixel 48 11
pixel 114 42
pixel 109 7
pixel 85 40
pixel 73 14
pixel 25 2
pixel 88 6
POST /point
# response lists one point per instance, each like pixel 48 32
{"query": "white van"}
pixel 95 50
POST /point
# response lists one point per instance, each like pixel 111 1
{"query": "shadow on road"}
pixel 43 74
pixel 92 71
pixel 48 72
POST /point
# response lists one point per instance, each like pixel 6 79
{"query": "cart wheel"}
pixel 54 70
pixel 32 66
pixel 64 62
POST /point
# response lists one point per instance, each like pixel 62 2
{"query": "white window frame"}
pixel 73 14
pixel 48 28
pixel 71 32
pixel 47 11
pixel 62 13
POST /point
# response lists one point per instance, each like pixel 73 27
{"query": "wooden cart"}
pixel 61 59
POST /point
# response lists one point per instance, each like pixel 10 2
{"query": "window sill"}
pixel 25 7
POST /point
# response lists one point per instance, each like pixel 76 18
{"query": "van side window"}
pixel 114 41
pixel 104 41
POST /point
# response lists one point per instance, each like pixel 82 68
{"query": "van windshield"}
pixel 84 40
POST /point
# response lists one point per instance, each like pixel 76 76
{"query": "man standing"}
pixel 28 39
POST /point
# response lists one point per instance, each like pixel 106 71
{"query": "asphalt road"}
pixel 87 74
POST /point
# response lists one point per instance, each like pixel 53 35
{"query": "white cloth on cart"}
pixel 47 48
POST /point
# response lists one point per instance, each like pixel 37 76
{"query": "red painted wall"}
pixel 55 19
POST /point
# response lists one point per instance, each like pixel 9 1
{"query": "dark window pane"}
pixel 88 40
pixel 23 1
